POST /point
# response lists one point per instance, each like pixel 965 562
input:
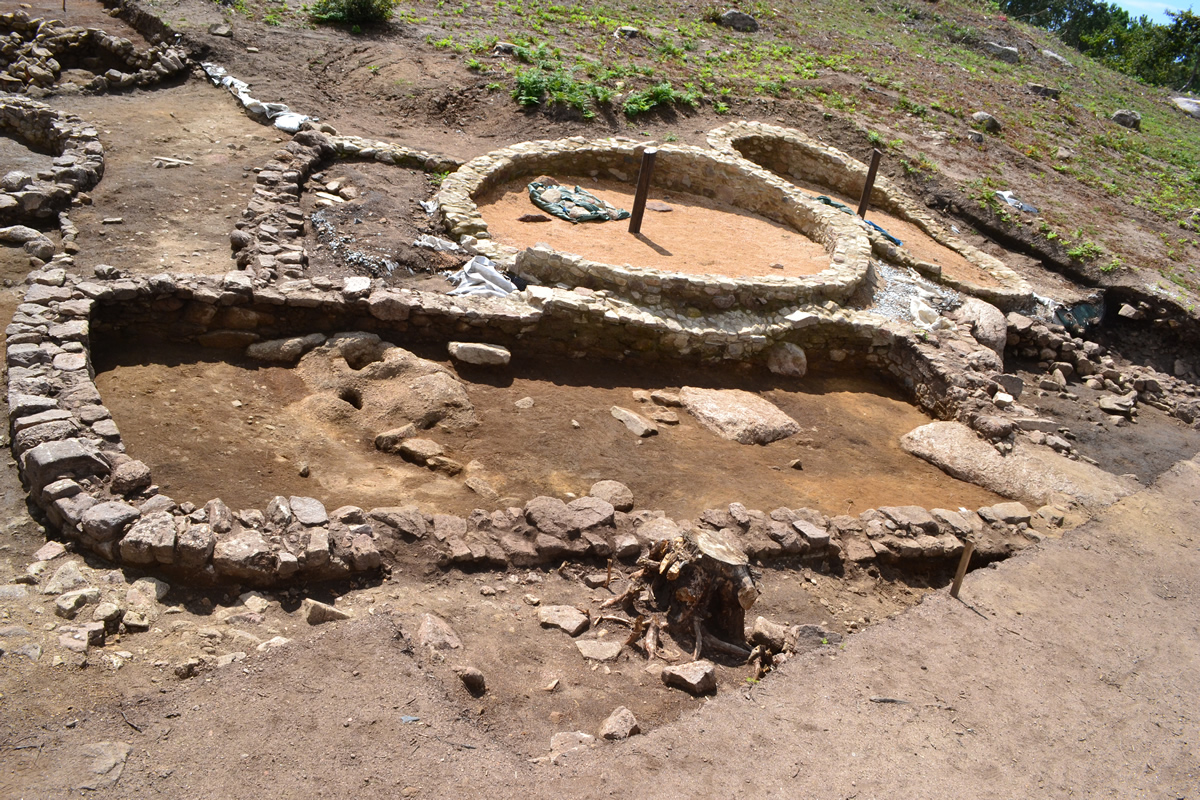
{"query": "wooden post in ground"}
pixel 962 568
pixel 643 189
pixel 870 184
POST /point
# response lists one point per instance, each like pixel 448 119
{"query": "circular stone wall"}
pixel 788 152
pixel 718 176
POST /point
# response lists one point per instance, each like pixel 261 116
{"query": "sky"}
pixel 1154 9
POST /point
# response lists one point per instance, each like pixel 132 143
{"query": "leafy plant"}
pixel 352 12
pixel 660 94
pixel 1085 251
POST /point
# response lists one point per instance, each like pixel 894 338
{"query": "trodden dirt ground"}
pixel 1067 671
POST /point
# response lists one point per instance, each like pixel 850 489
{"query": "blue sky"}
pixel 1153 10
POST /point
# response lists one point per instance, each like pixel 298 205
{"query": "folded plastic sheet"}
pixel 279 114
pixel 479 277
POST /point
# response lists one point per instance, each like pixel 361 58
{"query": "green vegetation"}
pixel 660 94
pixel 1085 251
pixel 1168 55
pixel 352 12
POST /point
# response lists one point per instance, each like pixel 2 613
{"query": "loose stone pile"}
pixel 36 51
pixel 1068 358
pixel 77 167
pixel 785 151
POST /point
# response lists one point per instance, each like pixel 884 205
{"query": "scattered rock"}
pixel 420 451
pixel 599 649
pixel 696 677
pixel 524 402
pixel 1187 105
pixel 436 633
pixel 1008 54
pixel 101 764
pixel 636 423
pixel 1011 513
pixel 738 20
pixel 318 612
pixel 659 206
pixel 1117 404
pixel 533 218
pixel 987 122
pixel 65 578
pixel 738 415
pixel 614 492
pixel 472 679
pixel 49 551
pixel 621 724
pixel 484 355
pixel 1127 118
pixel 220 29
pixel 567 618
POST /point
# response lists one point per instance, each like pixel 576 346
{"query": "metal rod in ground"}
pixel 962 568
pixel 643 189
pixel 870 184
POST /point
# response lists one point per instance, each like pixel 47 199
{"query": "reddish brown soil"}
pixel 698 235
pixel 175 408
pixel 916 241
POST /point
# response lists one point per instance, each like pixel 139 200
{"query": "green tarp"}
pixel 573 205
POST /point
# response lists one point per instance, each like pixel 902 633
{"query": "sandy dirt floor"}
pixel 697 236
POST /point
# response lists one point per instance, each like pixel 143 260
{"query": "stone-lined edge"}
pixel 73 463
pixel 268 240
pixel 35 63
pixel 832 167
pixel 680 168
pixel 78 164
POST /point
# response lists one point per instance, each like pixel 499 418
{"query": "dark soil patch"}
pixel 373 234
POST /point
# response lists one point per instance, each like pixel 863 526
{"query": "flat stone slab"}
pixel 599 649
pixel 1027 473
pixel 636 423
pixel 482 355
pixel 737 415
pixel 568 618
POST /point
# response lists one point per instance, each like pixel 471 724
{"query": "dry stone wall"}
pixel 682 169
pixel 789 152
pixel 78 163
pixel 35 51
pixel 268 240
pixel 71 458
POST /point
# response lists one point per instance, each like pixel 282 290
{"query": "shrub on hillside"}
pixel 353 12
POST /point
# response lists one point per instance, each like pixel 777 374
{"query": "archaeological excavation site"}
pixel 453 437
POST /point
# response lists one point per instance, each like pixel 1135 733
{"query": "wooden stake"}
pixel 643 189
pixel 962 568
pixel 870 184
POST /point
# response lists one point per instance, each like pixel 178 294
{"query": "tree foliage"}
pixel 1168 55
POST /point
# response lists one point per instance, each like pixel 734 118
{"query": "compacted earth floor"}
pixel 211 427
